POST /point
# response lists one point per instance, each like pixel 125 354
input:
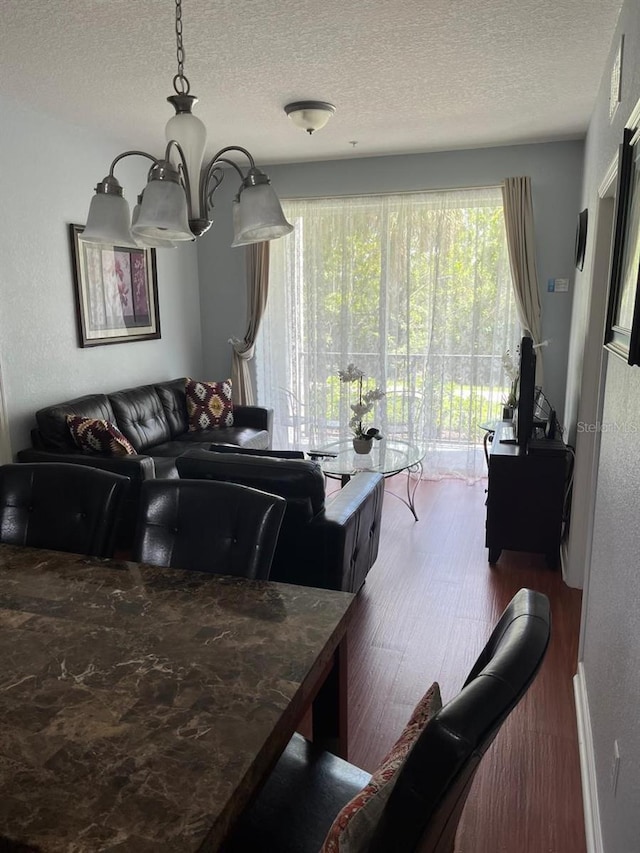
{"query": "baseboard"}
pixel 592 827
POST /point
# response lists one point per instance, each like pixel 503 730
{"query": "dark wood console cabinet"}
pixel 525 496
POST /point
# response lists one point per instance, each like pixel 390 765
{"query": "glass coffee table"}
pixel 387 457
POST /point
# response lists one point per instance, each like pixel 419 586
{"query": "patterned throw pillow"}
pixel 209 405
pixel 98 436
pixel 353 828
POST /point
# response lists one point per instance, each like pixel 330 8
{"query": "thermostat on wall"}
pixel 557 285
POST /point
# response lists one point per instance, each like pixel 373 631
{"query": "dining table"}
pixel 141 708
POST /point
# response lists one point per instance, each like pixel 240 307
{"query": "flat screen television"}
pixel 527 394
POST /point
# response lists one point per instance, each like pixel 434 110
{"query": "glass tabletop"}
pixel 387 456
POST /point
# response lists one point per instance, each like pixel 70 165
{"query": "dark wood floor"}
pixel 427 608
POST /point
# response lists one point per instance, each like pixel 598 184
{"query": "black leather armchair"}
pixel 60 506
pixel 208 527
pixel 308 787
pixel 330 544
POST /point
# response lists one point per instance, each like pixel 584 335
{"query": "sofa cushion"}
pixel 174 401
pixel 209 404
pixel 95 435
pixel 52 421
pixel 141 416
pixel 252 451
pixel 242 436
pixel 173 448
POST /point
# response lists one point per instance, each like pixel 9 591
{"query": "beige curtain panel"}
pixel 257 255
pixel 518 218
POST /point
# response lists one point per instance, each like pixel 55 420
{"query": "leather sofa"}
pixel 330 543
pixel 154 419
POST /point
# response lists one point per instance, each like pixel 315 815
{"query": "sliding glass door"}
pixel 414 289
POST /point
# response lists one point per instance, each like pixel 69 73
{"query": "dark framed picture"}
pixel 116 290
pixel 622 334
pixel 581 238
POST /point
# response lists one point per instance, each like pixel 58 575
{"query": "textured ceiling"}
pixel 405 75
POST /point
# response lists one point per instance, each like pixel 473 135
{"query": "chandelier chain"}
pixel 180 82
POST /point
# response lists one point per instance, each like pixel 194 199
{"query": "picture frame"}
pixel 622 335
pixel 581 238
pixel 116 292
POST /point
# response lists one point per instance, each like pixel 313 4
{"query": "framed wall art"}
pixel 622 334
pixel 581 238
pixel 116 292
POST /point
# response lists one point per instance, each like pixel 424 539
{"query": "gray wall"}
pixel 556 173
pixel 611 605
pixel 46 181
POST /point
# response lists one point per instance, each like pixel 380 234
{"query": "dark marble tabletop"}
pixel 139 707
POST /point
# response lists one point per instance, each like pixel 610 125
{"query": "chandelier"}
pixel 176 203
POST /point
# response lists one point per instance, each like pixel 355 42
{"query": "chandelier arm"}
pixel 132 153
pixel 205 195
pixel 216 174
pixel 229 163
pixel 244 151
pixel 182 169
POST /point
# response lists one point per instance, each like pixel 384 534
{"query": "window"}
pixel 415 289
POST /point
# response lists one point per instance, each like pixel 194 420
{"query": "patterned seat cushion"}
pixel 209 404
pixel 353 828
pixel 94 435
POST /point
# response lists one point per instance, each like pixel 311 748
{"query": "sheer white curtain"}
pixel 415 289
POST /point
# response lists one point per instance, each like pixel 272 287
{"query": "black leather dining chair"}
pixel 308 787
pixel 60 506
pixel 223 528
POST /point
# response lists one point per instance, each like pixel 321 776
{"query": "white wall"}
pixel 611 603
pixel 556 173
pixel 48 173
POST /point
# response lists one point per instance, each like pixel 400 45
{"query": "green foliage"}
pixel 457 419
pixel 415 293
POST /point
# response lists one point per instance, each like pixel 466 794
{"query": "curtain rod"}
pixel 388 193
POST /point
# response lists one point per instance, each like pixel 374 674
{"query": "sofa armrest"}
pixel 136 467
pixel 257 417
pixel 346 534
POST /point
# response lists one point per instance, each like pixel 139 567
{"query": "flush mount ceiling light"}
pixel 310 115
pixel 176 203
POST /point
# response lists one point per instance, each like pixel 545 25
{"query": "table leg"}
pixel 409 501
pixel 411 493
pixel 329 724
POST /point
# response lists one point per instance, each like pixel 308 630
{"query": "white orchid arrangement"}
pixel 513 374
pixel 366 399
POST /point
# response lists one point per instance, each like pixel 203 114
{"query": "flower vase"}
pixel 362 445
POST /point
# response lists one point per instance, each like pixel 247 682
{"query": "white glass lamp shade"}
pixel 108 221
pixel 149 242
pixel 190 133
pixel 163 213
pixel 238 240
pixel 258 216
pixel 310 115
pixel 310 120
